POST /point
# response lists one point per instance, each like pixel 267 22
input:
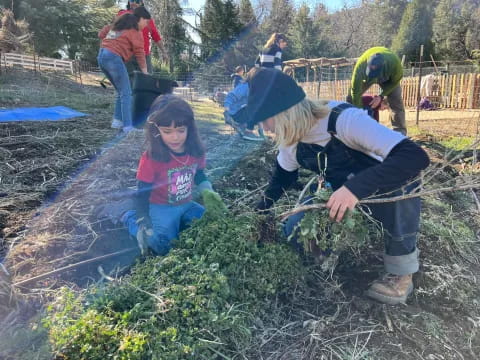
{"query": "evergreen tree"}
pixel 246 15
pixel 303 34
pixel 245 49
pixel 280 17
pixel 456 29
pixel 387 15
pixel 70 26
pixel 219 25
pixel 169 22
pixel 415 30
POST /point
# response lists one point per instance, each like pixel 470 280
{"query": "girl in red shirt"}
pixel 172 164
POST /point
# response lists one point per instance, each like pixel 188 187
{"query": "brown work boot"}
pixel 391 289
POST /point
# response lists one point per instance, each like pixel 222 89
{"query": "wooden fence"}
pixel 455 91
pixel 37 62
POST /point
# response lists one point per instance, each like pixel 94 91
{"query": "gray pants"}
pixel 397 110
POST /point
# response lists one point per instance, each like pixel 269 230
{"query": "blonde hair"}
pixel 294 123
pixel 274 38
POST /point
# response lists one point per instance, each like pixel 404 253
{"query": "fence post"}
pixel 419 82
pixel 319 84
pixel 336 82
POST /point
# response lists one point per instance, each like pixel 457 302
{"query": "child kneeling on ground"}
pixel 357 156
pixel 173 162
pixel 236 113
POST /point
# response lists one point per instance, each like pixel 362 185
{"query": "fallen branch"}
pixel 69 267
pixel 237 201
pixel 296 210
pixel 475 198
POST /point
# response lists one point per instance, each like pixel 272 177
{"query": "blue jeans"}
pixel 167 222
pixel 115 70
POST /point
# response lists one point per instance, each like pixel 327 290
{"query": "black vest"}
pixel 336 160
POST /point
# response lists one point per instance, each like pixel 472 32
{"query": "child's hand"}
pixel 339 202
pixel 377 100
pixel 214 205
pixel 143 234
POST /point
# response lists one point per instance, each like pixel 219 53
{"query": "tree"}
pixel 168 14
pixel 65 26
pixel 387 15
pixel 245 49
pixel 303 34
pixel 456 29
pixel 246 15
pixel 280 17
pixel 219 25
pixel 415 30
pixel 350 32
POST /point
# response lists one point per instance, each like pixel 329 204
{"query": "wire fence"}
pixel 446 85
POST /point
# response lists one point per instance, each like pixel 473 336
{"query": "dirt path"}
pixel 58 175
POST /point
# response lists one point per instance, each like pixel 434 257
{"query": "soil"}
pixel 55 177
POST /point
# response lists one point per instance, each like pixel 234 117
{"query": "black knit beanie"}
pixel 271 92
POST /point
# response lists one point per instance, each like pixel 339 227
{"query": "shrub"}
pixel 200 301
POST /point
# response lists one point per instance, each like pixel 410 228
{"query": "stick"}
pixel 294 211
pixel 247 195
pixel 434 64
pixel 310 182
pixel 419 84
pixel 68 267
pixel 475 197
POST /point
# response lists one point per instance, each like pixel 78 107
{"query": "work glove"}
pixel 264 204
pixel 214 206
pixel 144 232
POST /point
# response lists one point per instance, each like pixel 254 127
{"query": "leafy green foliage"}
pixel 198 302
pixel 70 25
pixel 303 34
pixel 415 30
pixel 456 29
pixel 279 18
pixel 219 25
pixel 168 19
pixel 215 208
pixel 355 231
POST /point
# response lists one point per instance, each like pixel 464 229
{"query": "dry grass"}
pixel 81 164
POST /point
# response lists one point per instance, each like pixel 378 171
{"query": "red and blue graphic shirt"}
pixel 172 181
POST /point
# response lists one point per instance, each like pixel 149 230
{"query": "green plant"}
pixel 354 232
pixel 198 302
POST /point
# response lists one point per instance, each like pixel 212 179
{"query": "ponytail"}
pixel 130 21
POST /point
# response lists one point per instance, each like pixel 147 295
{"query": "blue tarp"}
pixel 39 114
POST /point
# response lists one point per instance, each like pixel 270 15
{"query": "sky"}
pixel 331 4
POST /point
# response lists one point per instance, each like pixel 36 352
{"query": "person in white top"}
pixel 364 158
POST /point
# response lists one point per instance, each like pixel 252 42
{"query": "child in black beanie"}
pixel 364 158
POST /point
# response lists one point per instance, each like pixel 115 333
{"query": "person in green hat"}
pixel 379 65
